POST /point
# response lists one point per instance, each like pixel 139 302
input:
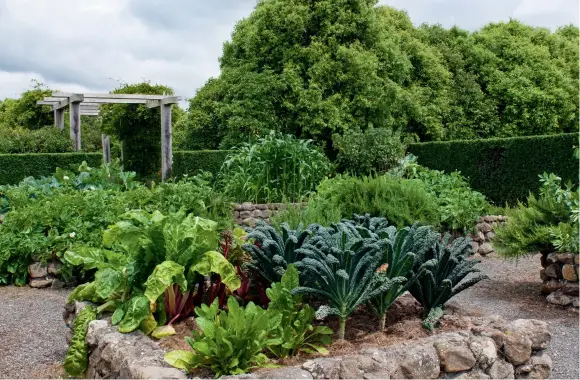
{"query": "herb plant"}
pixel 295 331
pixel 230 342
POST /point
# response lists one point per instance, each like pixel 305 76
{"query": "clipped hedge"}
pixel 188 161
pixel 15 167
pixel 504 169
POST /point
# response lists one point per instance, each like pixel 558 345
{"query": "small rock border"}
pixel 489 347
pixel 560 278
pixel 484 233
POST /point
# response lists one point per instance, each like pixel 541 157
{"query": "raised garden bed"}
pixel 465 346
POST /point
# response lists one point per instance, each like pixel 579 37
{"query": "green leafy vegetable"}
pixel 76 360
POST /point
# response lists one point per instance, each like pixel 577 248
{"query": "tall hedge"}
pixel 15 167
pixel 188 161
pixel 504 169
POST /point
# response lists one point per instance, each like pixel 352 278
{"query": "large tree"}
pixel 317 67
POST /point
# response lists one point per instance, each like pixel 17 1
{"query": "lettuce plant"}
pixel 147 255
pixel 230 342
pixel 296 331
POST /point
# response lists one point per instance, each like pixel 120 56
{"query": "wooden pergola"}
pixel 88 104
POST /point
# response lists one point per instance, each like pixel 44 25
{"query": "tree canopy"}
pixel 314 68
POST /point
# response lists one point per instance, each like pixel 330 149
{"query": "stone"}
pixel 377 375
pixel 41 282
pixel 257 213
pixel 159 373
pixel 569 273
pixel 538 367
pixel 239 377
pixel 353 367
pixel 236 214
pixel 565 258
pixel 551 286
pixel 484 227
pixel 474 246
pixel 249 222
pixel 286 373
pixel 570 289
pixel 484 350
pixel 54 267
pixel 552 258
pixel 37 270
pixel 543 275
pixel 267 213
pixel 246 206
pixel 554 271
pixel 473 374
pixel 517 347
pixel 479 237
pixel 455 355
pixel 575 302
pixel 489 218
pixel 323 368
pixel 489 236
pixel 577 259
pixel 536 330
pixel 57 284
pixel 417 362
pixel 485 249
pixel 559 298
pixel 500 369
pixel 245 214
pixel 261 206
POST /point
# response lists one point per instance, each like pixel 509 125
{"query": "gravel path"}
pixel 513 291
pixel 32 332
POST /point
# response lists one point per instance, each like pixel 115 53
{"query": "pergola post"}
pixel 166 141
pixel 106 141
pixel 59 118
pixel 75 124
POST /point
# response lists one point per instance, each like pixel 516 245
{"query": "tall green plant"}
pixel 339 268
pixel 441 268
pixel 275 168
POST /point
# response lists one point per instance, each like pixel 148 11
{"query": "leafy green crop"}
pixel 295 330
pixel 272 252
pixel 147 255
pixel 76 360
pixel 230 342
pixel 339 267
pixel 441 269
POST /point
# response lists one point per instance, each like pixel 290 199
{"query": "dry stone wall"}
pixel 488 347
pixel 248 214
pixel 560 278
pixel 484 233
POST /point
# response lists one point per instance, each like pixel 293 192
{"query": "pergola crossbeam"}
pixel 89 105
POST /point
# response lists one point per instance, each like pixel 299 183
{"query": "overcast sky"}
pixel 89 46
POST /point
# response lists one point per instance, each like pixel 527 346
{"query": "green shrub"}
pixel 546 223
pixel 401 201
pixel 43 140
pixel 503 169
pixel 230 342
pixel 276 168
pixel 375 150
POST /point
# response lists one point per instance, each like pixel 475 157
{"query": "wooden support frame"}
pixel 88 104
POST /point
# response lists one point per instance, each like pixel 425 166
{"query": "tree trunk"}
pixel 382 322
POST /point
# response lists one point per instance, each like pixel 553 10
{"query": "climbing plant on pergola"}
pixel 88 104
